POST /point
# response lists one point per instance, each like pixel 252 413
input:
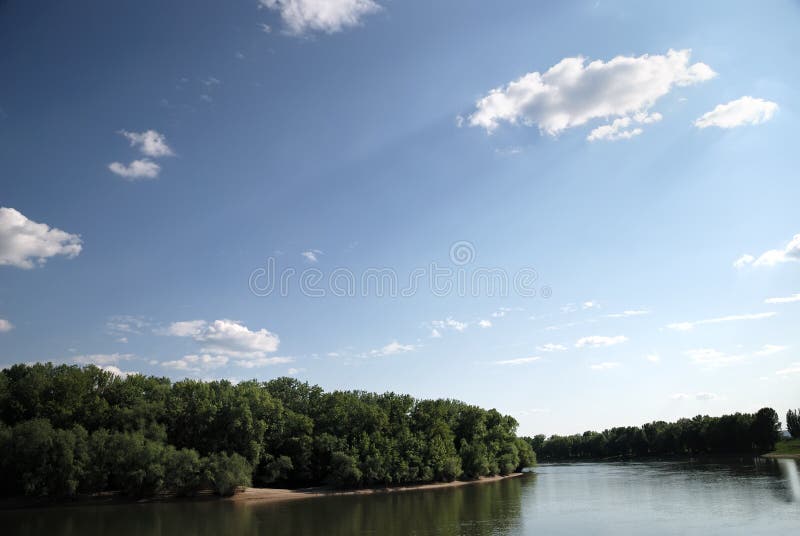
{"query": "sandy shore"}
pixel 279 495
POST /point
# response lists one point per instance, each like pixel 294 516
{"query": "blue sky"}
pixel 639 158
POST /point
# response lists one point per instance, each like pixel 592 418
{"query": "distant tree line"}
pixel 793 423
pixel 66 430
pixel 740 433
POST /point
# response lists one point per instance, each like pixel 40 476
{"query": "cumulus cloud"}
pixel 5 325
pixel 653 358
pixel 620 129
pixel 116 371
pixel 25 243
pixel 688 326
pixel 518 361
pixel 605 365
pixel 744 111
pixel 137 170
pixel 393 348
pixel 226 338
pixel 784 299
pixel 149 142
pixel 574 92
pixel 126 324
pixel 789 253
pixel 599 341
pixel 485 323
pixel 327 16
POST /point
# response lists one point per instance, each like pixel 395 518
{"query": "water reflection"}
pixel 741 496
pixel 791 473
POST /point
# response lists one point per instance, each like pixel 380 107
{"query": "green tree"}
pixel 793 423
pixel 228 473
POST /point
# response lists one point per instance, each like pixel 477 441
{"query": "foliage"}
pixel 728 434
pixel 66 430
pixel 226 473
pixel 793 423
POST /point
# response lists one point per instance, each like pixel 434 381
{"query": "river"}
pixel 726 497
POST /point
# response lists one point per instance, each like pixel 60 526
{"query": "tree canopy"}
pixel 66 430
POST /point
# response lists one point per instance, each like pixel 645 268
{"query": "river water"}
pixel 727 497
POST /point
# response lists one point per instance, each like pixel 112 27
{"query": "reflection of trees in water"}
pixel 479 510
pixel 791 474
pixel 482 509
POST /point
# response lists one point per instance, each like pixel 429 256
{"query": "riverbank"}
pixel 788 448
pixel 270 495
pixel 247 495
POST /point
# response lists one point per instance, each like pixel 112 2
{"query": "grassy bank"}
pixel 789 448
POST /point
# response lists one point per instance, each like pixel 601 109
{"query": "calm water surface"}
pixel 744 497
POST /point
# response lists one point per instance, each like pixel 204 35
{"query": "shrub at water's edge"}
pixel 67 430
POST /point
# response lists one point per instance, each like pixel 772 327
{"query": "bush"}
pixel 183 471
pixel 227 473
pixel 344 471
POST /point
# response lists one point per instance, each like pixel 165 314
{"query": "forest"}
pixel 739 433
pixel 67 430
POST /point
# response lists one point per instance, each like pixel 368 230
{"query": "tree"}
pixel 227 473
pixel 344 471
pixel 766 429
pixel 793 423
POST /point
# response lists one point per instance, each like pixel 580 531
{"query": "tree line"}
pixel 738 433
pixel 67 430
pixel 793 423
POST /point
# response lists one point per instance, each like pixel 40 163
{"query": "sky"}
pixel 583 214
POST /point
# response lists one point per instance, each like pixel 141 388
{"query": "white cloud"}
pixel 116 371
pixel 312 255
pixel 449 323
pixel 572 92
pixel 518 361
pixel 598 341
pixel 589 305
pixel 551 347
pixel 620 129
pixel 606 365
pixel 262 362
pixel 653 358
pixel 266 28
pixel 226 337
pixel 743 111
pixel 743 261
pixel 150 143
pixel 126 324
pixel 5 325
pixel 196 363
pixel 295 371
pixel 794 368
pixel 789 253
pixel 485 323
pixel 710 358
pixel 138 169
pixel 25 243
pixel 436 334
pixel 328 16
pixel 786 299
pixel 628 313
pixel 393 348
pixel 769 349
pixel 687 326
pixel 697 396
pixel 102 359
